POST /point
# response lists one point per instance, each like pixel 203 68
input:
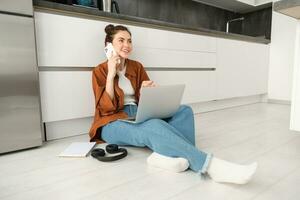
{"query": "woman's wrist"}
pixel 110 77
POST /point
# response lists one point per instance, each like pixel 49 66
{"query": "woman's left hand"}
pixel 148 84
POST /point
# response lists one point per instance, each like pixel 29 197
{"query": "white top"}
pixel 125 85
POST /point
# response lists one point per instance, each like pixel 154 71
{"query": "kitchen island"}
pixel 219 70
pixel 94 13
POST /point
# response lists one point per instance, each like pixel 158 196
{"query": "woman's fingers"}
pixel 116 58
pixel 148 84
pixel 145 83
pixel 113 62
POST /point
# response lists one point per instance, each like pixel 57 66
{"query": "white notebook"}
pixel 77 149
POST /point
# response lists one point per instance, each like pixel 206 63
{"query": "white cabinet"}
pixel 158 48
pixel 161 39
pixel 170 58
pixel 199 85
pixel 242 68
pixel 66 95
pixel 64 41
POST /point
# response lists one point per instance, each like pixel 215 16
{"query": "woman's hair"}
pixel 111 30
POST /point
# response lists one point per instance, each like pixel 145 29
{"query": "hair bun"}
pixel 109 29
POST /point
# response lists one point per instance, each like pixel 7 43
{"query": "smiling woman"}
pixel 116 84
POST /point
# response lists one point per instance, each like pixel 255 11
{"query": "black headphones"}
pixel 99 153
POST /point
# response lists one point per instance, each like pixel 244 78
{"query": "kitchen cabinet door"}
pixel 242 68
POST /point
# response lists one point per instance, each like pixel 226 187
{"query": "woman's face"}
pixel 122 44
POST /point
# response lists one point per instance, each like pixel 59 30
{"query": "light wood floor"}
pixel 256 132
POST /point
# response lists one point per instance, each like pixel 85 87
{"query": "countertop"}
pixel 288 7
pixel 80 11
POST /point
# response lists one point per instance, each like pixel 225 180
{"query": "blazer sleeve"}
pixel 103 103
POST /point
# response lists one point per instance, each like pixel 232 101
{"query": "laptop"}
pixel 158 102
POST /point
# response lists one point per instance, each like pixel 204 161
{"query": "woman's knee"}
pixel 158 128
pixel 114 132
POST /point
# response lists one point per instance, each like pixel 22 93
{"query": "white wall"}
pixel 281 57
pixel 295 107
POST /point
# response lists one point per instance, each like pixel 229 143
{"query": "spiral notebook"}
pixel 78 149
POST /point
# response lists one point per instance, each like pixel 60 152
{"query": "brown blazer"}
pixel 106 109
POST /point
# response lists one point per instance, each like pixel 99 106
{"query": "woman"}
pixel 116 84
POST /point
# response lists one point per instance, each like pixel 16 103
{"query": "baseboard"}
pixel 277 101
pixel 67 128
pixel 225 103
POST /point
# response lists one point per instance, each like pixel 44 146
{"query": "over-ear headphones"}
pixel 99 153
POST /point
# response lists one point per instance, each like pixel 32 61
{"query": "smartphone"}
pixel 109 50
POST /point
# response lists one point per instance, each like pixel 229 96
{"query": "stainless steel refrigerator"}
pixel 20 121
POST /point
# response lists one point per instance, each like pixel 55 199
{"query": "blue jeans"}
pixel 173 137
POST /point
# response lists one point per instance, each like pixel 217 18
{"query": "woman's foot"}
pixel 168 163
pixel 227 172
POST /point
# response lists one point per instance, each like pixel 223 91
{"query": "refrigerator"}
pixel 20 116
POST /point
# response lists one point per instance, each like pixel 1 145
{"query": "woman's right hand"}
pixel 113 63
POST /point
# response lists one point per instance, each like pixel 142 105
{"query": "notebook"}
pixel 78 149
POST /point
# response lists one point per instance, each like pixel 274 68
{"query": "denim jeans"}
pixel 173 137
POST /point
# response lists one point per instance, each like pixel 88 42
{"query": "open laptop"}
pixel 158 102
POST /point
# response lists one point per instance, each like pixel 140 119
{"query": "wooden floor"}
pixel 256 132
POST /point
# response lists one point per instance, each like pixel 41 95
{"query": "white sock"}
pixel 168 163
pixel 227 172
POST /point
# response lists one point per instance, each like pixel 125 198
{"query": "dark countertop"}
pixel 93 13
